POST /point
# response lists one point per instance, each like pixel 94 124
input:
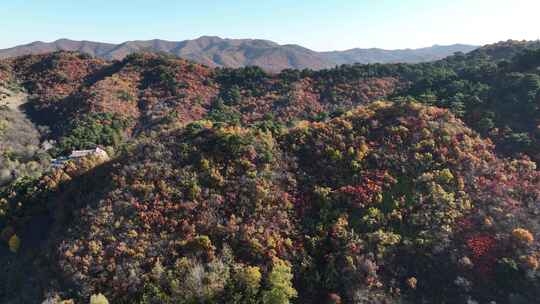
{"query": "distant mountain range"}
pixel 215 51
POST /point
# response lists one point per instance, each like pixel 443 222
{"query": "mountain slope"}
pixel 386 196
pixel 504 50
pixel 148 88
pixel 234 185
pixel 374 55
pixel 215 51
pixel 97 49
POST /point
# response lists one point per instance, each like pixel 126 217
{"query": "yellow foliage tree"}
pixel 280 286
pixel 523 235
pixel 98 299
pixel 14 243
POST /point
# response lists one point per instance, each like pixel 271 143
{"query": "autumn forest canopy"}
pixel 375 183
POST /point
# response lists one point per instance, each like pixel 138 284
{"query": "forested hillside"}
pixel 380 183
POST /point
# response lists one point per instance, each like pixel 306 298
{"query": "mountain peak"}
pixel 65 40
pixel 209 37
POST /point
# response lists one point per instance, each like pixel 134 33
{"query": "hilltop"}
pixel 371 206
pixel 234 53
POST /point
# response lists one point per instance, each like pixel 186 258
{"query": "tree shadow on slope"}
pixel 40 222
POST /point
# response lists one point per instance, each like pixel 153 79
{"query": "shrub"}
pixel 279 284
pixel 98 299
pixel 14 243
pixel 523 235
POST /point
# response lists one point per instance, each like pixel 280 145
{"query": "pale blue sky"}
pixel 316 24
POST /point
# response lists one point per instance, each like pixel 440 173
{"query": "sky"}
pixel 320 25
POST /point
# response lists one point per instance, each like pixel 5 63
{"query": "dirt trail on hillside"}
pixel 21 138
pixel 12 108
pixel 18 129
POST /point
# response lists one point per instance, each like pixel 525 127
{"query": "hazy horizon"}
pixel 387 25
pixel 248 38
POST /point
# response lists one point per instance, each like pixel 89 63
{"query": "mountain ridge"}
pixel 224 52
pixel 407 55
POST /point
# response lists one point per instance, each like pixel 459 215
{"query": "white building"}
pixel 83 153
pixel 78 154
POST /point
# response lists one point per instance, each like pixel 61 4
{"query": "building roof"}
pixel 83 153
